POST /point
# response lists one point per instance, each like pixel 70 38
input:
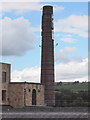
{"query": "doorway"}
pixel 34 97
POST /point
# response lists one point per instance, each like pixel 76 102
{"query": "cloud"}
pixel 68 49
pixel 26 6
pixel 62 55
pixel 72 71
pixel 58 8
pixel 21 0
pixel 68 39
pixel 17 37
pixel 27 74
pixel 66 0
pixel 69 72
pixel 70 0
pixel 76 24
pixel 21 7
pixel 8 60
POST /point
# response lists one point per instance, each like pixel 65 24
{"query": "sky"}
pixel 20 30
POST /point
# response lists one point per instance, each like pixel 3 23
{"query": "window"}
pixel 3 95
pixel 3 76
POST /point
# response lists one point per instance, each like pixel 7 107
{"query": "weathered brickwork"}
pixel 19 94
pixel 47 58
pixel 5 85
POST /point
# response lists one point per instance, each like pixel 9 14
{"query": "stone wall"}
pixel 16 95
pixel 39 94
pixel 4 85
pixel 20 94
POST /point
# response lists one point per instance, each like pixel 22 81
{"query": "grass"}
pixel 73 87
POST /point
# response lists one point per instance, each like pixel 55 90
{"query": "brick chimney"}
pixel 47 58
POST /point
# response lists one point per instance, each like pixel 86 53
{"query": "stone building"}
pixel 19 94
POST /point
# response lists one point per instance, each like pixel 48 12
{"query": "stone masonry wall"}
pixel 16 95
pixel 4 86
pixel 39 94
pixel 20 94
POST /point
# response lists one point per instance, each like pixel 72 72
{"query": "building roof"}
pixel 5 63
pixel 25 83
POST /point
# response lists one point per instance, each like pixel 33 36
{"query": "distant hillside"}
pixel 72 94
pixel 75 87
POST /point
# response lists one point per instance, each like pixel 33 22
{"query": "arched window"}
pixel 34 97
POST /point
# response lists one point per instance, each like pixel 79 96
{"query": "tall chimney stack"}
pixel 47 58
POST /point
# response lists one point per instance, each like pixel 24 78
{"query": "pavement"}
pixel 45 112
pixel 45 115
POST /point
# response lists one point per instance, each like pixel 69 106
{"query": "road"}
pixel 45 114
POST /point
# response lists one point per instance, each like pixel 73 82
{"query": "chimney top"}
pixel 48 9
